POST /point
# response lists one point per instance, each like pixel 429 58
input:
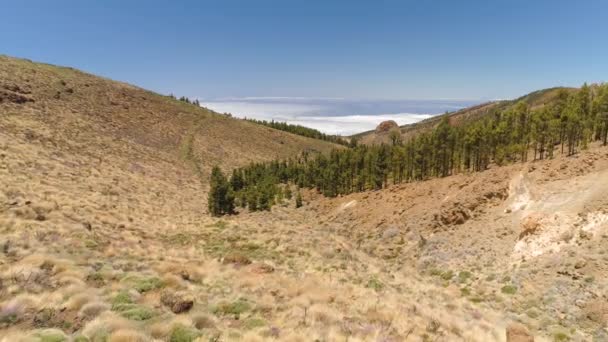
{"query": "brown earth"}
pixel 524 240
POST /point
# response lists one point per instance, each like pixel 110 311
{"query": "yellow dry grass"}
pixel 102 212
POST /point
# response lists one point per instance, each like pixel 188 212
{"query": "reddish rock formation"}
pixel 386 126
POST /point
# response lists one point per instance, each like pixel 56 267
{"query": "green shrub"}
pixel 253 323
pixel 181 333
pixel 508 289
pixel 463 276
pixel 235 308
pixel 447 275
pixel 50 335
pixel 435 272
pixel 138 313
pixel 123 304
pixel 375 284
pixel 148 284
pixel 121 298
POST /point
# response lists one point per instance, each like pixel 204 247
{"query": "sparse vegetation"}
pixel 561 337
pixel 106 236
pixel 447 275
pixel 572 120
pixel 181 333
pixel 254 322
pixel 50 335
pixel 147 284
pixel 509 289
pixel 463 276
pixel 235 308
pixel 375 284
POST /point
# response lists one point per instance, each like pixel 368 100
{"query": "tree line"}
pixel 301 130
pixel 514 134
pixel 195 102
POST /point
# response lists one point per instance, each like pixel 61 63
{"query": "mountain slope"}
pixel 102 191
pixel 104 234
pixel 90 113
pixel 535 99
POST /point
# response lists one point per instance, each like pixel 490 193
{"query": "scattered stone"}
pixel 262 268
pixel 517 332
pixel 584 235
pixel 530 225
pixel 454 216
pixel 422 242
pixel 177 302
pixel 236 259
pixel 597 311
pixel 184 274
pixel 390 233
pixel 203 322
pixel 8 96
pixel 47 266
pixel 43 317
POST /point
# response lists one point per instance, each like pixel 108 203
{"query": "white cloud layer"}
pixel 333 116
pixel 351 124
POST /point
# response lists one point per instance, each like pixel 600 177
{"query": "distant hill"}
pixel 89 114
pixel 534 100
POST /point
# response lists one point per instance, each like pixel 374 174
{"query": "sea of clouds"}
pixel 334 115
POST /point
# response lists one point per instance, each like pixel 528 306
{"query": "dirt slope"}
pixel 527 240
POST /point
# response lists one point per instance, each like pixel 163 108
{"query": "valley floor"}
pixel 98 248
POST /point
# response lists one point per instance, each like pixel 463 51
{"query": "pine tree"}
pixel 236 181
pixel 395 137
pixel 288 193
pixel 572 119
pixel 252 199
pixel 601 108
pixel 220 198
pixel 298 200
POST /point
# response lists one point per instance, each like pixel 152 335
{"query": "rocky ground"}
pixel 527 241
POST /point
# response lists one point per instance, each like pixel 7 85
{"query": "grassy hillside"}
pixel 90 114
pixel 104 234
pixel 535 100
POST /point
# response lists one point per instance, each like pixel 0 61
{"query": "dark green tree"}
pixel 298 199
pixel 220 198
pixel 506 134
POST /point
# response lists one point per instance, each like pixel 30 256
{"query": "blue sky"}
pixel 213 50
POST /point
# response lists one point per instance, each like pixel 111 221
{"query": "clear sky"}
pixel 348 49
